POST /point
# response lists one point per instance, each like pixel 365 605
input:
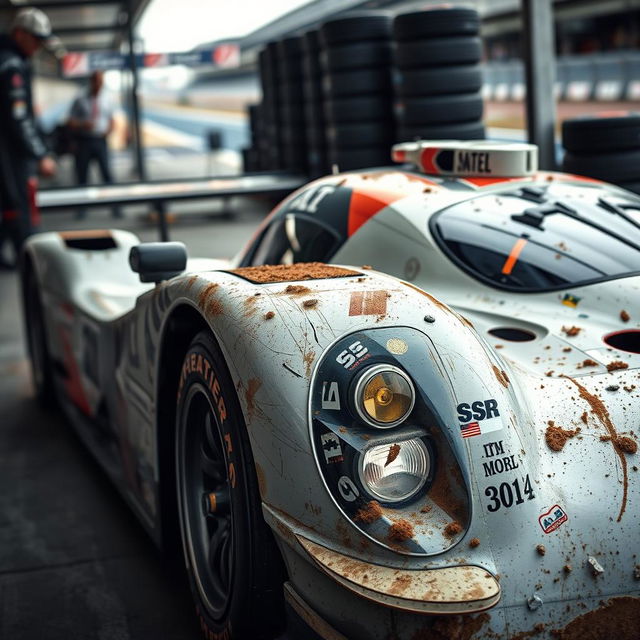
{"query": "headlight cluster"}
pixel 397 472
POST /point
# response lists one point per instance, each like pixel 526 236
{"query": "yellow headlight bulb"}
pixel 384 396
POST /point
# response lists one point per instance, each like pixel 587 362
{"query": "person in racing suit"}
pixel 22 149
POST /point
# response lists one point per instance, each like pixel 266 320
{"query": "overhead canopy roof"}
pixel 83 25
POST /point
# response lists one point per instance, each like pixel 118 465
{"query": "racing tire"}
pixel 620 166
pixel 438 52
pixel 356 27
pixel 364 134
pixel 430 23
pixel 38 349
pixel 233 566
pixel 348 159
pixel 590 134
pixel 440 109
pixel 458 131
pixel 354 109
pixel 355 83
pixel 357 55
pixel 439 80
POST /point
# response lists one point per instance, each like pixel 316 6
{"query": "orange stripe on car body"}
pixel 513 256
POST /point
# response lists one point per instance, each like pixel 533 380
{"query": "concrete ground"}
pixel 74 562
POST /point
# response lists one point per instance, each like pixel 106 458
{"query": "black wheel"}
pixel 590 134
pixel 355 27
pixel 462 107
pixel 357 55
pixel 437 52
pixel 233 566
pixel 355 109
pixel 458 21
pixel 439 80
pixel 41 369
pixel 458 131
pixel 621 166
pixel 364 134
pixel 356 83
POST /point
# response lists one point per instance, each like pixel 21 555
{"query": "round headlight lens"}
pixel 384 396
pixel 396 472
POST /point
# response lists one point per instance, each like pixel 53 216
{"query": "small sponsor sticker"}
pixel 331 448
pixel 479 417
pixel 397 346
pixel 569 300
pixel 552 519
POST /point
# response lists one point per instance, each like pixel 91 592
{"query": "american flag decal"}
pixel 470 429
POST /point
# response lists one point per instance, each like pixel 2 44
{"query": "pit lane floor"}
pixel 74 561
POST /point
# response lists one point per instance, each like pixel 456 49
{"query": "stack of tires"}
pixel 356 58
pixel 272 157
pixel 313 109
pixel 606 148
pixel 291 119
pixel 437 74
pixel 254 157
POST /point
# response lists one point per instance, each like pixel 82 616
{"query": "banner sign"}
pixel 79 64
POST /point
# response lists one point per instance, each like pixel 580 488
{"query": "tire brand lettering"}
pixel 232 475
pixel 197 363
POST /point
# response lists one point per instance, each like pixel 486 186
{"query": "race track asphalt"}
pixel 75 564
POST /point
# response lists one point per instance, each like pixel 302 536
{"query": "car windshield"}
pixel 533 239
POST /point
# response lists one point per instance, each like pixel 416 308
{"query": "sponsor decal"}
pixel 552 519
pixel 479 417
pixel 569 300
pixel 397 346
pixel 353 356
pixel 331 448
pixel 330 396
pixel 499 464
pixel 368 303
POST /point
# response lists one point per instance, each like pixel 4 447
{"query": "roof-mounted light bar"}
pixel 478 158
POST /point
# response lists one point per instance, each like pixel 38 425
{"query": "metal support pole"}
pixel 163 227
pixel 140 163
pixel 540 67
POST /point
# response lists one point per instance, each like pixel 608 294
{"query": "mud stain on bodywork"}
pixel 400 531
pixel 501 376
pixel 262 481
pixel 602 413
pixel 296 290
pixel 371 512
pixel 618 618
pixel 290 272
pixel 308 359
pixel 453 628
pixel 208 302
pixel 252 388
pixel 556 437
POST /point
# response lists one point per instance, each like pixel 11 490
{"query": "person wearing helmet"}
pixel 21 145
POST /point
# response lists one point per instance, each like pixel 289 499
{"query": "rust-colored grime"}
pixel 84 234
pixel 205 294
pixel 191 281
pixel 310 304
pixel 266 274
pixel 308 359
pixel 452 529
pixel 443 496
pixel 262 481
pixel 584 417
pixel 541 549
pixel 368 303
pixel 617 365
pixel 369 513
pixel 556 437
pixel 626 444
pixel 538 628
pixel 501 375
pixel 400 531
pixel 588 362
pixel 296 289
pixel 618 618
pixel 474 542
pixel 400 584
pixel 252 388
pixel 624 316
pixel 571 331
pixel 394 451
pixel 452 627
pixel 269 315
pixel 602 413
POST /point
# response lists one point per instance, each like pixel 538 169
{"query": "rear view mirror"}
pixel 156 261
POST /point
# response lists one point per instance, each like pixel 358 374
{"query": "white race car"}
pixel 452 454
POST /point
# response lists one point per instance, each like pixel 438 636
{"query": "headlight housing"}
pixel 384 396
pixel 396 472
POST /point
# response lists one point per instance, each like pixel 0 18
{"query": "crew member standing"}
pixel 91 120
pixel 21 146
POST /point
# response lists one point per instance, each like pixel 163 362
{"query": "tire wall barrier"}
pixel 606 148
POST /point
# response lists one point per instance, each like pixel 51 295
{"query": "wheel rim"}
pixel 206 502
pixel 36 336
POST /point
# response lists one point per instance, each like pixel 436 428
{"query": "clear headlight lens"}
pixel 384 396
pixel 396 472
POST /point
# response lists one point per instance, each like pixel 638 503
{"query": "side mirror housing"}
pixel 156 261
